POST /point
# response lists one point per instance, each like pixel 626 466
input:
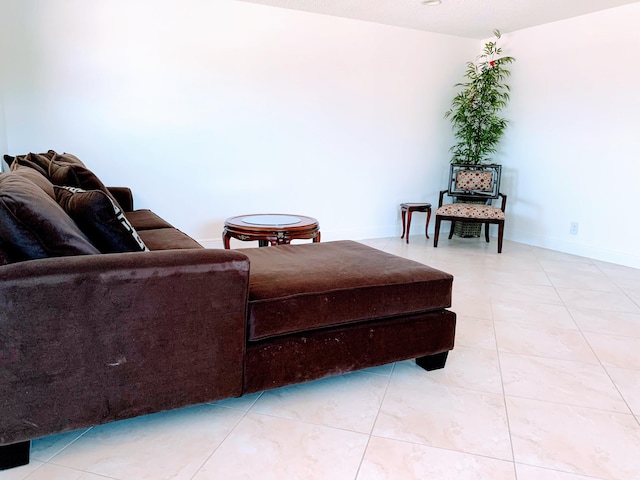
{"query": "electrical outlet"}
pixel 573 229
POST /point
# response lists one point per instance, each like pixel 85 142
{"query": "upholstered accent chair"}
pixel 473 188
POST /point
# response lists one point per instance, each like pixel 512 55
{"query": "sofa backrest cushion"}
pixel 32 225
pixel 101 219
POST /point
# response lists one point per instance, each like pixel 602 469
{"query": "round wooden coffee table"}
pixel 270 228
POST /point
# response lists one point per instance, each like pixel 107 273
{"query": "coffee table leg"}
pixel 225 240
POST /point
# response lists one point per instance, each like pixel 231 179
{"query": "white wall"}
pixel 572 149
pixel 210 109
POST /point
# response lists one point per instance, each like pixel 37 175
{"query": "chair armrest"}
pixel 441 197
pixel 504 201
pixel 90 339
pixel 123 196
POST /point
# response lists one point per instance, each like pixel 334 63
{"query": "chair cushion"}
pixel 469 210
pixel 33 225
pixel 298 288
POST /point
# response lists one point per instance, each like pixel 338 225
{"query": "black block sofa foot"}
pixel 14 455
pixel 432 362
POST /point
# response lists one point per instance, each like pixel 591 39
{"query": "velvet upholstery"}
pixel 38 161
pixel 37 178
pixel 303 287
pixel 124 197
pixel 167 239
pixel 100 219
pixel 309 355
pixel 120 335
pixel 62 169
pixel 321 309
pixel 146 220
pixel 33 225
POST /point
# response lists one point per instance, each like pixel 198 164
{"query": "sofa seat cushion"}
pixel 295 288
pixel 167 239
pixel 146 220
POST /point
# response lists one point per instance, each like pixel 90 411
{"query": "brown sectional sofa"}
pixel 88 338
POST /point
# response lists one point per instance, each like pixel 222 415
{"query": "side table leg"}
pixel 403 214
pixel 409 213
pixel 426 228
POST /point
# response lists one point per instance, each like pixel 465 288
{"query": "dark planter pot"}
pixel 468 229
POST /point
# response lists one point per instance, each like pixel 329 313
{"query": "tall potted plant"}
pixel 475 114
pixel 475 110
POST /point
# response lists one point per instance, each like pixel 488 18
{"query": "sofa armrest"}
pixel 123 196
pixel 91 339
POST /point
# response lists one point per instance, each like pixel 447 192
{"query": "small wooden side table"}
pixel 407 209
pixel 270 228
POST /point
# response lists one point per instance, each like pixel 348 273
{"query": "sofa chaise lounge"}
pixel 131 316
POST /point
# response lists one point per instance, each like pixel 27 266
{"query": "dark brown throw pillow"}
pixel 38 161
pixel 68 174
pixel 32 225
pixel 67 158
pixel 9 159
pixel 101 219
pixel 62 169
pixel 37 178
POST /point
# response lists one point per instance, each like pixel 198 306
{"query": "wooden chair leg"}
pixel 486 231
pixel 436 232
pixel 500 236
pixel 453 227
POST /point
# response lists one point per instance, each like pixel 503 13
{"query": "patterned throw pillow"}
pixel 101 219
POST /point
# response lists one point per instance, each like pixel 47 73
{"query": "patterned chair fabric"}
pixel 469 180
pixel 468 210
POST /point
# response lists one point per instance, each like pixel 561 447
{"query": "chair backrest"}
pixel 479 181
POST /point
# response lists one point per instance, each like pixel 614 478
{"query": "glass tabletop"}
pixel 271 220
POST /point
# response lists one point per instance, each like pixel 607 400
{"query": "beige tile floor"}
pixel 544 384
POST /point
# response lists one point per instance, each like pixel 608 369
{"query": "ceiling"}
pixel 464 18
